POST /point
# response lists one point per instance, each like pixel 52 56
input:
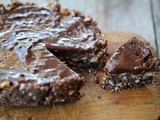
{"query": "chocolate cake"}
pixel 32 40
pixel 132 65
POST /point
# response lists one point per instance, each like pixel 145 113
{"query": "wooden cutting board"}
pixel 96 103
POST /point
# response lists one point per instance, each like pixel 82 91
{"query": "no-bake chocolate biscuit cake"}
pixel 132 65
pixel 32 40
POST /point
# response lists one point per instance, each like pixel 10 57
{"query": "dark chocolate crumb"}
pixel 22 75
pixel 78 93
pixel 11 84
pixel 35 71
pixel 31 118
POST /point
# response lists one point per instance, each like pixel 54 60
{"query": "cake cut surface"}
pixel 132 65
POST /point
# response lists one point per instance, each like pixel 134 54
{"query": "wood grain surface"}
pixel 96 103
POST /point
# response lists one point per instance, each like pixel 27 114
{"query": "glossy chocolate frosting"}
pixel 133 56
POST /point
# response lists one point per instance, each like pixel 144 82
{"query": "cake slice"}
pixel 132 65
